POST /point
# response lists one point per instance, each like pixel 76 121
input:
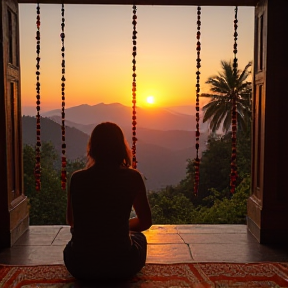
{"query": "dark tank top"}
pixel 102 200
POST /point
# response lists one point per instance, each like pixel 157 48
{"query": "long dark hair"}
pixel 107 146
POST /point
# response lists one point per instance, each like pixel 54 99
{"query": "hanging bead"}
pixel 198 66
pixel 233 166
pixel 63 79
pixel 37 169
pixel 134 53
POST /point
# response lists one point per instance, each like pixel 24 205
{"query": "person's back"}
pixel 100 200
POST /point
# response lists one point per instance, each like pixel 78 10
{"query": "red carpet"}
pixel 198 275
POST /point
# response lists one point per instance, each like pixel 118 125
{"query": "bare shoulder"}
pixel 132 172
pixel 139 180
pixel 78 174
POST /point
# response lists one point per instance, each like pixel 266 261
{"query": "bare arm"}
pixel 143 220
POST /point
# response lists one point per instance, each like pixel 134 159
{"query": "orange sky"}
pixel 98 52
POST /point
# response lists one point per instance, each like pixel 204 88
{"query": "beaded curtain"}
pixel 37 170
pixel 134 89
pixel 233 173
pixel 198 66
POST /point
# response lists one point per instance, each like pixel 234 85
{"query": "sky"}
pixel 99 52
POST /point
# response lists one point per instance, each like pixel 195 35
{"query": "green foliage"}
pixel 226 211
pixel 48 206
pixel 244 153
pixel 28 170
pixel 224 87
pixel 215 166
pixel 170 207
pixel 214 204
pixel 216 208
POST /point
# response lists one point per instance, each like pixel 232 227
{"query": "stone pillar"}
pixel 268 204
pixel 13 203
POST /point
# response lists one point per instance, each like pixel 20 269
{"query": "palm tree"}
pixel 226 89
pixel 229 106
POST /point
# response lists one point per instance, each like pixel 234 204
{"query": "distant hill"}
pixel 152 118
pixel 183 109
pixel 171 139
pixel 161 155
pixel 162 166
pixel 51 131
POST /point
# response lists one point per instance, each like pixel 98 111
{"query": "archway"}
pixel 267 205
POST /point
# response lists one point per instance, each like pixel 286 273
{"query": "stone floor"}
pixel 166 244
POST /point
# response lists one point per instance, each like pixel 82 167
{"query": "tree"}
pixel 48 206
pixel 214 166
pixel 213 204
pixel 170 206
pixel 230 106
pixel 225 211
pixel 225 88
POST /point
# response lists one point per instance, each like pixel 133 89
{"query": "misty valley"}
pixel 166 139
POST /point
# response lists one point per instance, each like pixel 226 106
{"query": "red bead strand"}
pixel 198 66
pixel 134 53
pixel 37 170
pixel 63 79
pixel 233 166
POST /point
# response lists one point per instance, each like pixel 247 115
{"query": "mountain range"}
pixel 165 138
pixel 153 118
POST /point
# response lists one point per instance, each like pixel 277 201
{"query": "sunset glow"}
pixel 98 64
pixel 150 100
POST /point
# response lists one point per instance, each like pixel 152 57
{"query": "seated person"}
pixel 106 244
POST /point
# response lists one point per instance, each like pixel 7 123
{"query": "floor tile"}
pixel 210 229
pixel 166 244
pixel 33 255
pixel 168 253
pixel 45 229
pixel 38 235
pixel 222 238
pixel 236 252
pixel 62 237
pixel 163 228
pixel 153 238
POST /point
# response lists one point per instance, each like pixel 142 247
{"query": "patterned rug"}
pixel 198 275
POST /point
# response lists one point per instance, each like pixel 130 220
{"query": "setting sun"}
pixel 150 99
